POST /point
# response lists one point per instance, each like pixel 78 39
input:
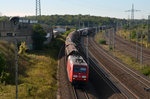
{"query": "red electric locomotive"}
pixel 77 69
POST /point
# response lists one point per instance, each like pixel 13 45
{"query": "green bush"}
pixel 5 77
pixel 146 70
pixel 126 27
pixel 133 34
pixel 39 36
pixel 102 42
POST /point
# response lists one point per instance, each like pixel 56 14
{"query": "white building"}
pixel 60 29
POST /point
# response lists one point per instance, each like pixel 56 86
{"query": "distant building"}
pixel 49 31
pixel 60 29
pixel 20 30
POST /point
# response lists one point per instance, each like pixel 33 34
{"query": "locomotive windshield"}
pixel 79 69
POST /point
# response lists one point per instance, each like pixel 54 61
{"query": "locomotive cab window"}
pixel 79 69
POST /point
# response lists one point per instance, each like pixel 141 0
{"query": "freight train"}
pixel 77 68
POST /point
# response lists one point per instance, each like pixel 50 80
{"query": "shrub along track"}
pixel 65 89
pixel 133 83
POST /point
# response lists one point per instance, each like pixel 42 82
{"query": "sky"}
pixel 109 8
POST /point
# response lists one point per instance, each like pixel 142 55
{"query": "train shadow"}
pixel 87 88
pixel 103 89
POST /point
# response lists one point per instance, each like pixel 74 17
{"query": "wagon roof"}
pixel 77 60
pixel 71 50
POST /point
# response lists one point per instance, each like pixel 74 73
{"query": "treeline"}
pixel 4 18
pixel 74 20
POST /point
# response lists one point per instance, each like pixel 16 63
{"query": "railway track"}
pixel 64 87
pixel 66 90
pixel 130 48
pixel 80 93
pixel 101 74
pixel 134 83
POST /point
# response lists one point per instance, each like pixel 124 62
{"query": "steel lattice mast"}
pixel 38 8
pixel 132 12
pixel 132 18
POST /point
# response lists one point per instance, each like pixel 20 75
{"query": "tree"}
pixel 38 37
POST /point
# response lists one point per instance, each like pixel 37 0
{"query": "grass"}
pixel 37 72
pixel 39 81
pixel 130 61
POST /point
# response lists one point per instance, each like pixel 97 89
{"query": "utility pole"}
pixel 106 34
pixel 38 8
pixel 141 49
pixel 16 61
pixel 132 18
pixel 130 31
pixel 114 38
pixel 102 33
pixel 117 26
pixel 137 46
pixel 88 21
pixel 83 25
pixel 96 30
pixel 129 24
pixel 109 40
pixel 88 24
pixel 87 54
pixel 79 24
pixel 148 29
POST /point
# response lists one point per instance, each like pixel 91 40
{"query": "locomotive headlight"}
pixel 83 76
pixel 75 75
